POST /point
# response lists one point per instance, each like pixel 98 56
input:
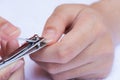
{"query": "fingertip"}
pixel 16 33
pixel 51 35
pixel 9 31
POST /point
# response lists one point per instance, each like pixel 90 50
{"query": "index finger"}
pixel 61 18
pixel 8 33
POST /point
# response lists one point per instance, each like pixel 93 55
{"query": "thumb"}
pixel 6 72
pixel 53 30
pixel 7 30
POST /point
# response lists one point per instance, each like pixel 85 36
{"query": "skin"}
pixel 8 35
pixel 86 51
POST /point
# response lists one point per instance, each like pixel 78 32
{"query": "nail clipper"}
pixel 31 45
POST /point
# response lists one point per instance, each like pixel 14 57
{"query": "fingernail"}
pixel 9 30
pixel 49 35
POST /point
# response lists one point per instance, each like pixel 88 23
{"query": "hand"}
pixel 8 43
pixel 86 49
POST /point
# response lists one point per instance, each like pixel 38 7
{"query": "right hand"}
pixel 8 43
pixel 86 45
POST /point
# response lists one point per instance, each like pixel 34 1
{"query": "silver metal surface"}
pixel 30 46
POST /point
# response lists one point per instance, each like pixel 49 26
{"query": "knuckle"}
pixel 100 28
pixel 93 16
pixel 64 54
pixel 62 57
pixel 100 31
pixel 90 13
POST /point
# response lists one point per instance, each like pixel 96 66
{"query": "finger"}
pixel 7 49
pixel 1 54
pixel 18 75
pixel 83 34
pixel 59 20
pixel 7 30
pixel 3 49
pixel 96 67
pixel 86 56
pixel 10 47
pixel 6 72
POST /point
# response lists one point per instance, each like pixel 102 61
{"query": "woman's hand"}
pixel 85 51
pixel 8 43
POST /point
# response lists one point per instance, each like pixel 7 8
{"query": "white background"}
pixel 30 17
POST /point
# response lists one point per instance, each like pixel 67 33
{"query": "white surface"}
pixel 30 16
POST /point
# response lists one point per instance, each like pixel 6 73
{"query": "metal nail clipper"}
pixel 31 45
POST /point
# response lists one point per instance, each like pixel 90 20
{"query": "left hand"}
pixel 8 43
